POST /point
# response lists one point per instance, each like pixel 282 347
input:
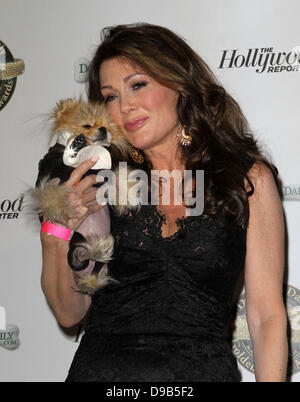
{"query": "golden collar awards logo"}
pixel 242 346
pixel 10 69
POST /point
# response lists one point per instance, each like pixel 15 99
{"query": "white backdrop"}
pixel 53 38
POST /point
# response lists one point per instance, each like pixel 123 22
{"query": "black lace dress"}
pixel 167 319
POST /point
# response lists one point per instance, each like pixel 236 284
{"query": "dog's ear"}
pixel 61 115
pixel 63 108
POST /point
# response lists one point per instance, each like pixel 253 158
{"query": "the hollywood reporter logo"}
pixel 11 209
pixel 115 190
pixel 265 59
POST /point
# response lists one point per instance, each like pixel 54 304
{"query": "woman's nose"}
pixel 127 103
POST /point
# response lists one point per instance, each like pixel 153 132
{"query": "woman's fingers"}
pixel 82 200
pixel 85 184
pixel 77 206
pixel 90 195
pixel 94 207
pixel 79 171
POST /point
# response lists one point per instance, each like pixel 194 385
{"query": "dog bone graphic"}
pixel 9 339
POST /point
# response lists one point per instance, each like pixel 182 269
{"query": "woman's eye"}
pixel 135 87
pixel 109 98
pixel 139 85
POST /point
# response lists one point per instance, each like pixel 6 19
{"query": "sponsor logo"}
pixel 2 319
pixel 81 67
pixel 242 346
pixel 264 59
pixel 9 334
pixel 10 69
pixel 11 209
pixel 291 193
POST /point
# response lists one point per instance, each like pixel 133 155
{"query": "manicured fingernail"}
pixel 95 158
pixel 99 178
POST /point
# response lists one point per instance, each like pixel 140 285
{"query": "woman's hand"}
pixel 69 307
pixel 82 198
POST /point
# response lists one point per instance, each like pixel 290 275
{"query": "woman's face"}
pixel 144 109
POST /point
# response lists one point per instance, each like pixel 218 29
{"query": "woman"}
pixel 167 320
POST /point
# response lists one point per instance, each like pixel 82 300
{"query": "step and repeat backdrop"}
pixel 253 47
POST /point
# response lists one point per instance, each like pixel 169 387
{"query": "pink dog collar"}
pixel 57 231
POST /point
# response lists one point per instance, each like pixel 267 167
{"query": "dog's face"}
pixel 90 120
pixel 82 126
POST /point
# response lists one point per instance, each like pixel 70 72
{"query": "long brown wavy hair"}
pixel 222 143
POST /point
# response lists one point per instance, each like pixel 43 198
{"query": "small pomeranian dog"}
pixel 82 130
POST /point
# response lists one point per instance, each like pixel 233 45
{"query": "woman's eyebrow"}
pixel 125 80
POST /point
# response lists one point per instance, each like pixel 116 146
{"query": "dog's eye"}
pixel 87 126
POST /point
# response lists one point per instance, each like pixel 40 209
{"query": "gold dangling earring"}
pixel 135 155
pixel 184 138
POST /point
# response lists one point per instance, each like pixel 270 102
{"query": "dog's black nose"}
pixel 102 134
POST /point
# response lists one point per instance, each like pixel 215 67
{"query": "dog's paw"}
pixel 100 248
pixel 79 258
pixel 51 199
pixel 91 283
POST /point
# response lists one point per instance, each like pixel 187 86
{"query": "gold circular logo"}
pixel 10 69
pixel 241 343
